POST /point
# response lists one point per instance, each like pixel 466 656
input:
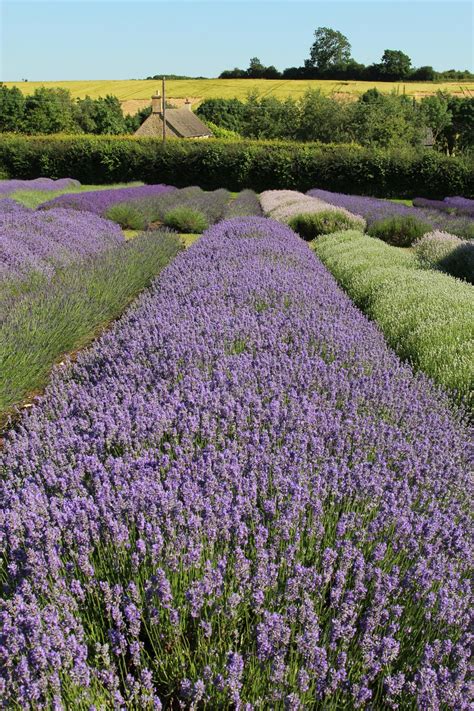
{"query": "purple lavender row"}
pixel 377 209
pixel 11 207
pixel 99 201
pixel 11 186
pixel 453 205
pixel 461 203
pixel 40 242
pixel 239 497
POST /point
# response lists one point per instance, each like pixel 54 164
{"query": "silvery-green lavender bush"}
pixel 283 205
pixel 373 209
pixel 152 210
pixel 447 252
pixel 41 241
pixel 238 498
pixel 425 315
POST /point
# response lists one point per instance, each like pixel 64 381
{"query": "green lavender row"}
pixel 426 316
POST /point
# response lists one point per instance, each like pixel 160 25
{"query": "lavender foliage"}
pixel 239 498
pixel 377 209
pixel 32 241
pixel 99 201
pixel 11 186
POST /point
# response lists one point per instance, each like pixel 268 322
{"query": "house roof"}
pixel 180 123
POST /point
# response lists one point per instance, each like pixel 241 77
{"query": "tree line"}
pixel 53 110
pixel 373 120
pixel 330 58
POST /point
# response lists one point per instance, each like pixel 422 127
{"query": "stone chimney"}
pixel 156 104
pixel 187 105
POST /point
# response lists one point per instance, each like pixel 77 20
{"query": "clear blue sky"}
pixel 115 39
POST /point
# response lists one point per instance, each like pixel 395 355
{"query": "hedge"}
pixel 426 316
pixel 235 165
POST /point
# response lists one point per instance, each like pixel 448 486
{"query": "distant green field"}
pixel 199 89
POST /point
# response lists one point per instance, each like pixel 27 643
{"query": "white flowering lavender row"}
pixel 238 498
pixel 282 205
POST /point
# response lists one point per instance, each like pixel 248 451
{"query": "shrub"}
pixel 447 252
pixel 236 165
pixel 127 216
pixel 399 231
pixel 311 225
pixel 221 132
pixel 186 220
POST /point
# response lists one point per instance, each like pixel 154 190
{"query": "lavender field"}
pixel 237 496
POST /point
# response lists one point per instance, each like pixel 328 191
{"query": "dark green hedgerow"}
pixel 259 165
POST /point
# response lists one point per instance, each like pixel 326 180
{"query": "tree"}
pixel 235 73
pixel 49 111
pixel 426 73
pixel 459 135
pixel 12 107
pixel 385 120
pixel 226 113
pixel 330 49
pixel 395 65
pixel 437 116
pixel 256 68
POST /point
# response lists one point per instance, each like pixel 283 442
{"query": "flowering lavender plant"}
pixel 462 204
pixel 448 252
pixel 99 201
pixel 9 207
pixel 238 497
pixel 453 205
pixel 11 186
pixel 41 241
pixel 373 209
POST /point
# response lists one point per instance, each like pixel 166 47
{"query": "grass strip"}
pixel 34 198
pixel 426 316
pixel 48 318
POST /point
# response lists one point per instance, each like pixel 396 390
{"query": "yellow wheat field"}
pixel 200 89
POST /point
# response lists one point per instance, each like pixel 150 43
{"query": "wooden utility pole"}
pixel 164 109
